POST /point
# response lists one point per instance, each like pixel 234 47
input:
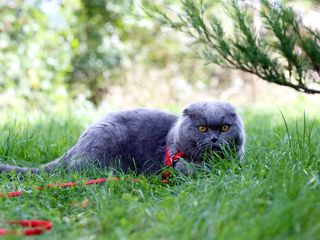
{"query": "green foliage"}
pixel 100 32
pixel 33 56
pixel 284 52
pixel 273 194
pixel 50 49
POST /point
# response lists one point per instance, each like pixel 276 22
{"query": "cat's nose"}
pixel 214 139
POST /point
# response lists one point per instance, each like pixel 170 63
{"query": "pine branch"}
pixel 286 53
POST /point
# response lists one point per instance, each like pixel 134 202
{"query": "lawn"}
pixel 273 194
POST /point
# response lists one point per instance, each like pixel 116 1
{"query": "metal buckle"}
pixel 174 161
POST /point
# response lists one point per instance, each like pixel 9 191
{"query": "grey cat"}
pixel 145 140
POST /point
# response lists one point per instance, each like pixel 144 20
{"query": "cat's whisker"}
pixel 200 149
pixel 201 144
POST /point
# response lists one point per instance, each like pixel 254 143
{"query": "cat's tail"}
pixel 9 168
pixel 49 167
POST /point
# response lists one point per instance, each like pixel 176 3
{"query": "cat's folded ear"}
pixel 191 110
pixel 188 112
pixel 194 109
pixel 185 112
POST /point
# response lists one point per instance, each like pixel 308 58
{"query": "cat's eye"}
pixel 202 128
pixel 225 128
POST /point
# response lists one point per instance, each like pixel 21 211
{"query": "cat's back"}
pixel 133 130
pixel 137 123
pixel 128 127
pixel 141 119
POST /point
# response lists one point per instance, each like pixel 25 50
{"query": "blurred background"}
pixel 77 55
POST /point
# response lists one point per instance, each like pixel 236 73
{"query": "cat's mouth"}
pixel 215 148
pixel 208 149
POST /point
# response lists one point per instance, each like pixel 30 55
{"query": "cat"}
pixel 144 140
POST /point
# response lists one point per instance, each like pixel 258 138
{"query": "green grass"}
pixel 274 194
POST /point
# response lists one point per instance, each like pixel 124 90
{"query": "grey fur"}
pixel 136 139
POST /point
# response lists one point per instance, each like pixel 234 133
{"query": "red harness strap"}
pixel 170 161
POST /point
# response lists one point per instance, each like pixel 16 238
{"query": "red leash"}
pixel 33 227
pixel 37 227
pixel 63 185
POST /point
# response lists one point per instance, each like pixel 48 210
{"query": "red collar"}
pixel 171 160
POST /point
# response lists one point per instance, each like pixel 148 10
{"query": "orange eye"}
pixel 225 128
pixel 202 128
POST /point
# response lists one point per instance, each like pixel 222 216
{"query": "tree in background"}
pixel 100 32
pixel 56 51
pixel 284 51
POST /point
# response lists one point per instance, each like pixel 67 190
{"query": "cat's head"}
pixel 209 126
